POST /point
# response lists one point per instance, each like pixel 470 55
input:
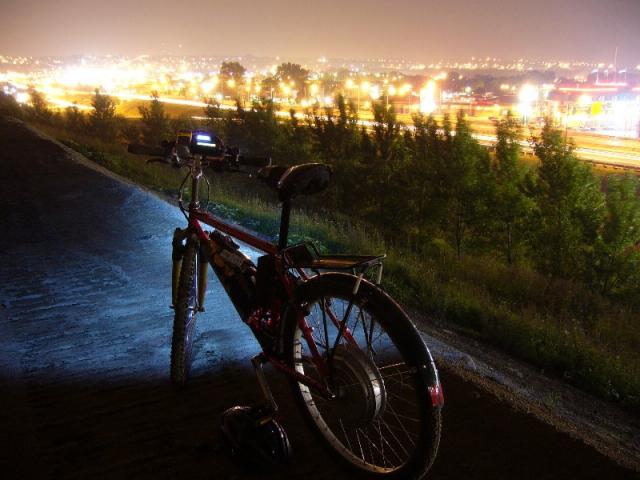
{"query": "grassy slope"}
pixel 558 326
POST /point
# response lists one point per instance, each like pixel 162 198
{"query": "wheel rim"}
pixel 375 420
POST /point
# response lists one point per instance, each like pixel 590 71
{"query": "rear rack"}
pixel 304 255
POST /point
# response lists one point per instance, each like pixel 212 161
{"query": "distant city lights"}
pixel 600 98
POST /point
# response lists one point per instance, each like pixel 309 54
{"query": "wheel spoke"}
pixel 379 448
pixel 398 442
pixel 345 433
pixel 360 445
pixel 376 416
pixel 324 324
pixel 398 417
pixel 403 399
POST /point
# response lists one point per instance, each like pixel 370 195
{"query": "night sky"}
pixel 421 30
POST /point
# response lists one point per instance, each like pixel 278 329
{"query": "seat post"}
pixel 284 225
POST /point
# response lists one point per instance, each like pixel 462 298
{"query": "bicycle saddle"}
pixel 289 182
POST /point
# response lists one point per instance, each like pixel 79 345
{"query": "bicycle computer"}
pixel 201 142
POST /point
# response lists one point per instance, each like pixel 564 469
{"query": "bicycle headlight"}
pixel 206 144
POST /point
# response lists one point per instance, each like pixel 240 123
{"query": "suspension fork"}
pixel 203 272
pixel 178 249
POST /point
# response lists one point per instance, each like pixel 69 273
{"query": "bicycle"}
pixel 359 370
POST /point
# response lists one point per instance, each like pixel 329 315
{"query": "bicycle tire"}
pixel 184 320
pixel 405 458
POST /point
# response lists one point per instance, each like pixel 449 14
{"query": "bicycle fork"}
pixel 178 249
pixel 177 253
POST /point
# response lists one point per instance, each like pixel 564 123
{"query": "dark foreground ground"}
pixel 84 349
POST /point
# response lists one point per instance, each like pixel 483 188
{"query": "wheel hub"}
pixel 360 393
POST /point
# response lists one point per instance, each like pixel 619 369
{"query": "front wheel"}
pixel 184 321
pixel 383 419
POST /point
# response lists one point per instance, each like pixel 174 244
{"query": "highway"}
pixel 597 149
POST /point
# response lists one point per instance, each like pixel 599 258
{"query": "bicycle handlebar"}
pixel 228 161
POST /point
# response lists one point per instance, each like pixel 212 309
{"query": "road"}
pixel 597 149
pixel 84 348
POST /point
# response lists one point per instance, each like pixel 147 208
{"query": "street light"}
pixel 351 85
pixel 313 89
pixel 374 92
pixel 427 97
pixel 528 96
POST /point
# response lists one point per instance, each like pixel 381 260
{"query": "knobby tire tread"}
pixel 180 350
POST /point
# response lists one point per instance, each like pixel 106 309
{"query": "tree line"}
pixel 431 185
pixel 435 181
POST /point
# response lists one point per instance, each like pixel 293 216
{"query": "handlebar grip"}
pixel 139 149
pixel 257 162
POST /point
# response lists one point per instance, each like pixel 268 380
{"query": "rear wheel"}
pixel 382 421
pixel 184 321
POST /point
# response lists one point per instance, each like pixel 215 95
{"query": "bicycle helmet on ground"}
pixel 256 438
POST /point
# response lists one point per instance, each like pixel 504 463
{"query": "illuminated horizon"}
pixel 418 30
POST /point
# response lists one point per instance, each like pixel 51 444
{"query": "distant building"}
pixel 604 104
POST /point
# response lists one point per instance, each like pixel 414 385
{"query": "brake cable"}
pixel 180 195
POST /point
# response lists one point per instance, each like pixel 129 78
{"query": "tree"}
pixel 428 166
pixel 336 140
pixel 466 182
pixel 570 207
pixel 335 137
pixel 255 129
pixel 102 121
pixel 39 106
pixel 215 118
pixel 386 172
pixel 74 119
pixel 511 205
pixel 186 123
pixel 232 70
pixel 9 106
pixel 295 144
pixel 615 263
pixel 155 123
pixel 292 73
pixel 128 129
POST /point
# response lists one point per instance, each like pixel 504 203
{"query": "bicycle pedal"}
pixel 262 414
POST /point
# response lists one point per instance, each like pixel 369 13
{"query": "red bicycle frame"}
pixel 195 218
